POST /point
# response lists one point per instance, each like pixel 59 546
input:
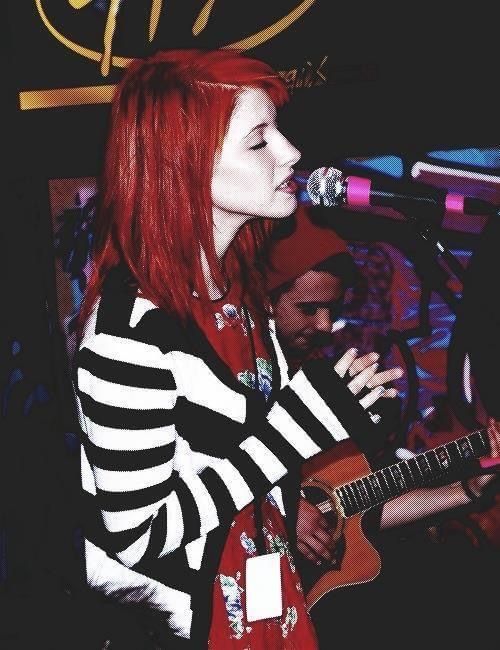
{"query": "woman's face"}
pixel 253 173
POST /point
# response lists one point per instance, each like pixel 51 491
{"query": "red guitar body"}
pixel 359 562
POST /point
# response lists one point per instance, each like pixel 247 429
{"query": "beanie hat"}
pixel 300 251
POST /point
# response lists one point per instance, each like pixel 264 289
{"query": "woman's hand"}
pixel 314 540
pixel 364 372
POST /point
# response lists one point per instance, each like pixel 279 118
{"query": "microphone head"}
pixel 325 186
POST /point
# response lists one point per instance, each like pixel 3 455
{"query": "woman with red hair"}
pixel 189 419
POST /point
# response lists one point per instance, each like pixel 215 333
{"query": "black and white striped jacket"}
pixel 173 446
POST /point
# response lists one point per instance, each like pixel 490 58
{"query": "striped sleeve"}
pixel 311 414
pixel 153 492
pixel 129 394
pixel 126 411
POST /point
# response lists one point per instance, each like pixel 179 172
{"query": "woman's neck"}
pixel 225 230
pixel 214 292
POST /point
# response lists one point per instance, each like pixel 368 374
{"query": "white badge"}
pixel 263 587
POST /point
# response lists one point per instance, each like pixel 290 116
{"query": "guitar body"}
pixel 341 479
pixel 359 561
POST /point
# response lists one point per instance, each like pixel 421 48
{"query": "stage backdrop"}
pixel 366 80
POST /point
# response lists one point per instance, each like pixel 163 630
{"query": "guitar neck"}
pixel 421 470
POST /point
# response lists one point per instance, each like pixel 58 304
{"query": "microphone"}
pixel 328 186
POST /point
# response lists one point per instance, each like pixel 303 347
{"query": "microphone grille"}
pixel 325 186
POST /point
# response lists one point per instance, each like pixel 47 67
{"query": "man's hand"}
pixel 478 483
pixel 364 371
pixel 314 538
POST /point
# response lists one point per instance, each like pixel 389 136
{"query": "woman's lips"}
pixel 289 186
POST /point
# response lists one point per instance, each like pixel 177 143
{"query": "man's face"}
pixel 305 314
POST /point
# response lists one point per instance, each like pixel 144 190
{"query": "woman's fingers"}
pixel 391 393
pixel 365 375
pixel 361 380
pixel 363 362
pixel 384 377
pixel 345 361
pixel 372 397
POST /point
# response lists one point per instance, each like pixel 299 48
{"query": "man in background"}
pixel 309 271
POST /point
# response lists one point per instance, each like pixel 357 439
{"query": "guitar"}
pixel 331 474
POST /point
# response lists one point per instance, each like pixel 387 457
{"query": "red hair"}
pixel 169 117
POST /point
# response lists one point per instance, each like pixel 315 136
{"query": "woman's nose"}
pixel 295 155
pixel 289 154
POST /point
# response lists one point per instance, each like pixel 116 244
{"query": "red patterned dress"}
pixel 236 341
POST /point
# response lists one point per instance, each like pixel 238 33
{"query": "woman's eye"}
pixel 259 146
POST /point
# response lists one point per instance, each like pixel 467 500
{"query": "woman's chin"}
pixel 275 210
pixel 289 207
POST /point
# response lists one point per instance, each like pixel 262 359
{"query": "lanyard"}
pixel 257 504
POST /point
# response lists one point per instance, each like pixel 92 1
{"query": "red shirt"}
pixel 236 340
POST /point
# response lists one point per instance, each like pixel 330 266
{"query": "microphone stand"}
pixel 429 233
pixel 431 236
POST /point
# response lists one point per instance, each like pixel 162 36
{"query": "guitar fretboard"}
pixel 419 471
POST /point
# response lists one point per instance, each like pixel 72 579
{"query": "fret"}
pixel 376 487
pixel 398 478
pixel 364 495
pixel 357 486
pixel 465 448
pixel 433 462
pixel 443 458
pixel 389 481
pixel 454 452
pixel 414 467
pixel 357 495
pixel 483 435
pixel 350 504
pixel 424 466
pixel 476 444
pixel 407 475
pixel 479 442
pixel 340 497
pixel 372 497
pixel 425 456
pixel 343 499
pixel 349 488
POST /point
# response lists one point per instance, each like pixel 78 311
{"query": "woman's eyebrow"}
pixel 257 126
